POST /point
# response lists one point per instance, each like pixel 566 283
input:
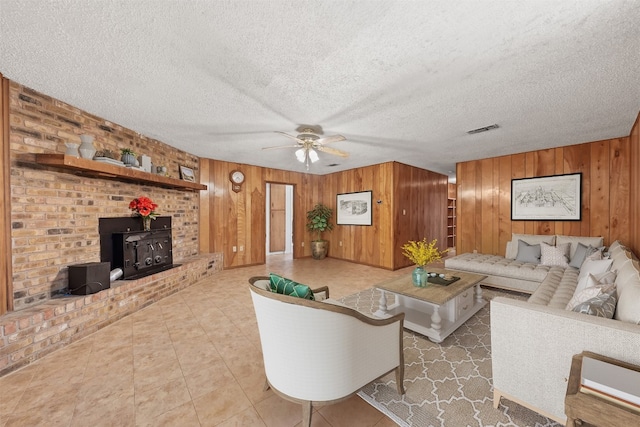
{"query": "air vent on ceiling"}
pixel 484 129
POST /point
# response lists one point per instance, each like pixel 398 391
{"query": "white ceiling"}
pixel 401 80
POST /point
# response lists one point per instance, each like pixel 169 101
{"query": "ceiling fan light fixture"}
pixel 300 155
pixel 313 156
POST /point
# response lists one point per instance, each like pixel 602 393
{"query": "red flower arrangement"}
pixel 144 207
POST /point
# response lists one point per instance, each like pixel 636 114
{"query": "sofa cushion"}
pixel 533 239
pixel 603 305
pixel 614 245
pixel 627 272
pixel 628 308
pixel 528 253
pixel 556 289
pixel 554 255
pixel 496 265
pixel 284 286
pixel 628 282
pixel 596 242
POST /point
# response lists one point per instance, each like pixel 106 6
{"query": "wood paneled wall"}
pixel 409 203
pixel 229 219
pixel 363 244
pixel 420 208
pixel 238 219
pixel 484 194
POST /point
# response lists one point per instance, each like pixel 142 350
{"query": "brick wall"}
pixel 54 214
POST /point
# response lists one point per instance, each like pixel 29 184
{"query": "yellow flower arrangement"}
pixel 422 252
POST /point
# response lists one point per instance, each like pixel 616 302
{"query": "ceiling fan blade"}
pixel 281 146
pixel 330 150
pixel 330 139
pixel 290 136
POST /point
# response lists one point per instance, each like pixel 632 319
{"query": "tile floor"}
pixel 191 359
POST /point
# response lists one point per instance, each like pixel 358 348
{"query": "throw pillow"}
pixel 284 286
pixel 604 305
pixel 606 278
pixel 528 253
pixel 532 239
pixel 596 255
pixel 591 267
pixel 581 253
pixel 589 292
pixel 574 240
pixel 554 255
pixel 594 267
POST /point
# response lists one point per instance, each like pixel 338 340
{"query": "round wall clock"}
pixel 237 178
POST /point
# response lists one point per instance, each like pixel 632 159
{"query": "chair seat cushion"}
pixel 284 286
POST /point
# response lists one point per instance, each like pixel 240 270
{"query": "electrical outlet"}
pixel 340 244
pixel 404 212
pixel 234 249
pixel 475 251
pixel 241 248
pixel 302 244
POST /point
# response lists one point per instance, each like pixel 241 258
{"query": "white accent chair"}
pixel 322 352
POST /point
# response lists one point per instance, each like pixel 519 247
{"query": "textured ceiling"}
pixel 401 80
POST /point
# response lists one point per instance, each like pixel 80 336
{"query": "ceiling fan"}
pixel 308 141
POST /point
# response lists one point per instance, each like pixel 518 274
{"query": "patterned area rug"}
pixel 447 384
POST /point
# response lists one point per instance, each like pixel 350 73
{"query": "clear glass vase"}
pixel 419 277
pixel 146 223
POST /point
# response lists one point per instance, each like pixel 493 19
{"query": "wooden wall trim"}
pixel 6 285
pixel 634 189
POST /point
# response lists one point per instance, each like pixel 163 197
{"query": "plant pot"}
pixel 319 249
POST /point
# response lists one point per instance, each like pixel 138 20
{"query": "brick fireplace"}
pixel 55 215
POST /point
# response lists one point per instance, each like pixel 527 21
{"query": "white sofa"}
pixel 507 272
pixel 533 341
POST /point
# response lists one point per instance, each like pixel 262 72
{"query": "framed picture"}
pixel 547 198
pixel 354 208
pixel 187 174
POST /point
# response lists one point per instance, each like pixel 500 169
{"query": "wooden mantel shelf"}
pixel 104 170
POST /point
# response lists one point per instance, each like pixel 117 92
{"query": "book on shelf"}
pixel 611 382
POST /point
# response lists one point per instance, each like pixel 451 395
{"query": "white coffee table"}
pixel 436 310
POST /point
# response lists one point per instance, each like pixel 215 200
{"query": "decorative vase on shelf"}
pixel 146 223
pixel 129 159
pixel 419 277
pixel 72 149
pixel 87 150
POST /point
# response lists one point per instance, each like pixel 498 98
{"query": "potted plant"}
pixel 421 253
pixel 318 220
pixel 128 156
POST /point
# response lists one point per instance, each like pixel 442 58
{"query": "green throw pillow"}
pixel 284 286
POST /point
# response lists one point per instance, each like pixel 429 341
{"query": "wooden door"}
pixel 277 210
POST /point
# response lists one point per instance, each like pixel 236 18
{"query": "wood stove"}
pixel 137 252
pixel 140 253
